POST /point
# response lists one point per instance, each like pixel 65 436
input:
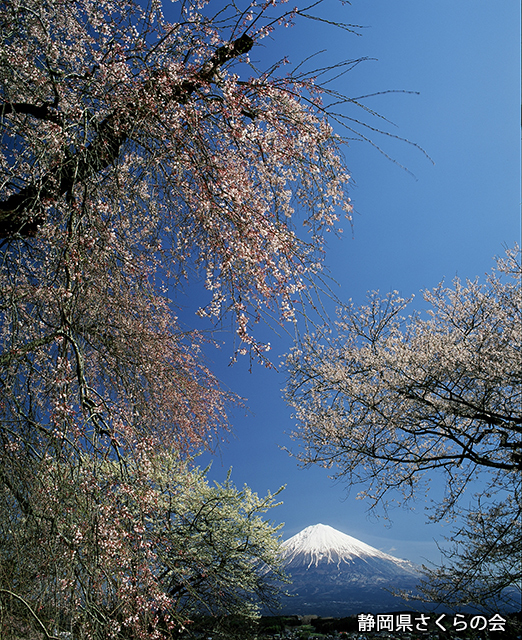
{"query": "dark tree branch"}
pixel 42 112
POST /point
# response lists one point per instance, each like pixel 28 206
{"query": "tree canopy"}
pixel 132 156
pixel 137 150
pixel 136 134
pixel 387 398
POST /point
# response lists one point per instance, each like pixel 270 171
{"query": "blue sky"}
pixel 450 219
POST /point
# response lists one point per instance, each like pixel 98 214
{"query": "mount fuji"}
pixel 334 574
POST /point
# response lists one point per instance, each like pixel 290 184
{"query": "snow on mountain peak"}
pixel 321 539
pixel 321 543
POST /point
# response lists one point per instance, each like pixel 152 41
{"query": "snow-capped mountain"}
pixel 336 574
pixel 321 544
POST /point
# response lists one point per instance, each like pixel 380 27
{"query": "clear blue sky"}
pixel 462 56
